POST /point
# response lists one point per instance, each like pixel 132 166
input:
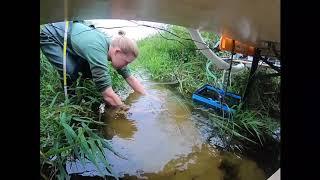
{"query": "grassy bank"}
pixel 179 62
pixel 69 128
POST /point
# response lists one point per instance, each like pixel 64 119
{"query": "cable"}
pixel 157 28
pixel 92 28
pixel 270 64
pixel 209 73
pixel 169 32
pixel 169 38
pixel 103 28
pixel 181 42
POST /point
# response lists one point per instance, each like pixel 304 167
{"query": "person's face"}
pixel 119 59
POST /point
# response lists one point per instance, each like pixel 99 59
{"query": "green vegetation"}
pixel 171 61
pixel 68 128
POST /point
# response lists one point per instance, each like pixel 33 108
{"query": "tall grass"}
pixel 246 125
pixel 169 61
pixel 68 128
pixel 264 94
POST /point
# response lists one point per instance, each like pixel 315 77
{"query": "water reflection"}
pixel 119 123
pixel 121 127
pixel 160 139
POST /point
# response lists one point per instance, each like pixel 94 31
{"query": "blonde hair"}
pixel 127 45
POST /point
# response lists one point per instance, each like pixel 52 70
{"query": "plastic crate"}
pixel 211 97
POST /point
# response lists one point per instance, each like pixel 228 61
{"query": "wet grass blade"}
pixel 104 143
pixel 81 119
pixel 258 135
pixel 100 154
pixel 69 131
pixel 88 152
pixel 54 100
pixel 55 151
pixel 81 153
pixel 104 159
pixel 245 125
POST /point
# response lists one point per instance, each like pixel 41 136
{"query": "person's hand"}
pixel 124 107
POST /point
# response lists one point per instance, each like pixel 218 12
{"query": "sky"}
pixel 136 33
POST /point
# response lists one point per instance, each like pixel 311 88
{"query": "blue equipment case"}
pixel 211 97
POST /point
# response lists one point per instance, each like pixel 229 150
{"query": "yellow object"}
pixel 228 44
pixel 65 49
pixel 65 55
pixel 65 59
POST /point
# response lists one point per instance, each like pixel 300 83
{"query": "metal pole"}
pixel 254 67
pixel 65 49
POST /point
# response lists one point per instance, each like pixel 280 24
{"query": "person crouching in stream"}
pixel 88 52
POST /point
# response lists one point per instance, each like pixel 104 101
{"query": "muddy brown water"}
pixel 160 138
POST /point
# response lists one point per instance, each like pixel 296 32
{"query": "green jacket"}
pixel 93 45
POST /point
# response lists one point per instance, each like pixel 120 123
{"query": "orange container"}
pixel 227 44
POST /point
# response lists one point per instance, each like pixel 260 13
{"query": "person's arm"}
pixel 97 60
pixel 135 84
pixel 113 99
pixel 138 87
pixel 131 80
